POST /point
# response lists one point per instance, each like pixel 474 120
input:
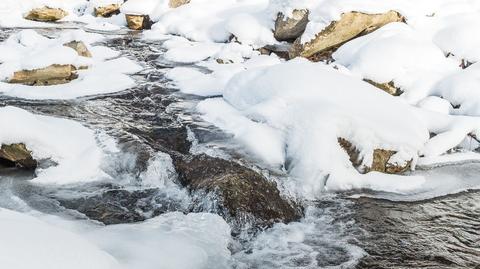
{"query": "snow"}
pixel 28 50
pixel 30 243
pixel 67 143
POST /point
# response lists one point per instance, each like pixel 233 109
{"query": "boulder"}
pixel 351 25
pixel 46 14
pixel 107 11
pixel 291 28
pixel 387 87
pixel 243 193
pixel 16 155
pixel 51 75
pixel 79 47
pixel 138 22
pixel 381 159
pixel 177 3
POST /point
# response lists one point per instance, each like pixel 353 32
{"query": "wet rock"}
pixel 118 205
pixel 16 155
pixel 351 25
pixel 290 28
pixel 138 22
pixel 381 159
pixel 387 87
pixel 243 192
pixel 46 14
pixel 107 11
pixel 177 3
pixel 51 75
pixel 79 47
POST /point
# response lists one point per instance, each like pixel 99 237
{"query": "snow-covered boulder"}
pixel 138 22
pixel 290 27
pixel 107 11
pixel 79 47
pixel 16 155
pixel 46 14
pixel 350 25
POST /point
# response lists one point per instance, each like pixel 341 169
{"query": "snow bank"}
pixel 30 243
pixel 170 241
pixel 28 50
pixel 67 143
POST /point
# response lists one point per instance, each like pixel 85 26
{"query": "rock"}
pixel 381 159
pixel 17 155
pixel 51 75
pixel 117 206
pixel 46 14
pixel 79 47
pixel 107 11
pixel 177 3
pixel 244 194
pixel 291 28
pixel 351 25
pixel 387 87
pixel 138 22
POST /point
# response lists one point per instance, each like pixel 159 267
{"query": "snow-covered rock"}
pixel 46 14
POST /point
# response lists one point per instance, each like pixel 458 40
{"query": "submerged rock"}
pixel 290 28
pixel 51 75
pixel 107 11
pixel 79 47
pixel 46 14
pixel 381 160
pixel 177 3
pixel 138 22
pixel 16 155
pixel 243 192
pixel 117 206
pixel 351 25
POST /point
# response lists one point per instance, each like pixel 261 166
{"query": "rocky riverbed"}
pixel 204 170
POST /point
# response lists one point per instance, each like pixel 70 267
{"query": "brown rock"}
pixel 16 155
pixel 381 158
pixel 177 3
pixel 79 47
pixel 351 25
pixel 290 28
pixel 46 14
pixel 138 22
pixel 51 75
pixel 244 193
pixel 387 87
pixel 107 11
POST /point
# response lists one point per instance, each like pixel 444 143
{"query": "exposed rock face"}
pixel 381 159
pixel 177 3
pixel 119 205
pixel 17 155
pixel 107 11
pixel 138 22
pixel 46 14
pixel 51 75
pixel 387 87
pixel 244 192
pixel 351 25
pixel 79 47
pixel 290 28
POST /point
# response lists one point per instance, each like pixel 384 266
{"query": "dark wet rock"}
pixel 79 47
pixel 119 205
pixel 292 27
pixel 243 192
pixel 50 75
pixel 46 14
pixel 16 155
pixel 381 159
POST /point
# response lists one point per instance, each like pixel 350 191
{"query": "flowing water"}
pixel 370 231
